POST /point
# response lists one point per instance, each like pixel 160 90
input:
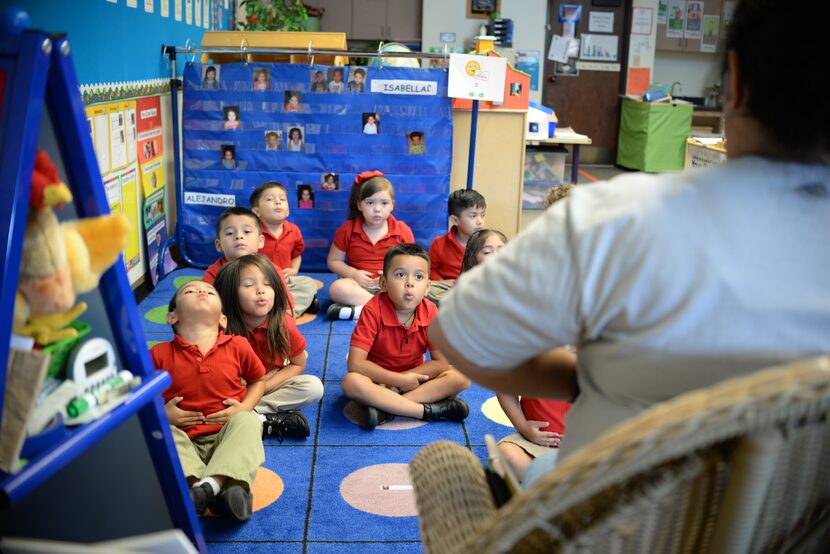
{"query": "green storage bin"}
pixel 653 136
pixel 59 351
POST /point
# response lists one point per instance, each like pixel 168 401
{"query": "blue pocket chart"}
pixel 244 124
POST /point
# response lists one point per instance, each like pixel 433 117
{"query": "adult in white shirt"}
pixel 668 283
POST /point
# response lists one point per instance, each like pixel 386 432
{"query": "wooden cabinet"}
pixel 398 20
pixel 683 44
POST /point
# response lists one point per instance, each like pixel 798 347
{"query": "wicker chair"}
pixel 741 466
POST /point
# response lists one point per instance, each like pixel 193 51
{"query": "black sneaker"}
pixel 292 424
pixel 203 498
pixel 370 417
pixel 340 311
pixel 234 502
pixel 449 409
pixel 314 307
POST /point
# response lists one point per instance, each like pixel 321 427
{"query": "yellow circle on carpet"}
pixel 492 410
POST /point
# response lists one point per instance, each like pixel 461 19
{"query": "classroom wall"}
pixel 114 43
pixel 529 18
pixel 693 69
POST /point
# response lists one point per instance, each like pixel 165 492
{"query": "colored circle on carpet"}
pixel 266 488
pixel 305 318
pixel 152 343
pixel 319 283
pixel 157 315
pixel 492 410
pixel 179 281
pixel 398 423
pixel 383 489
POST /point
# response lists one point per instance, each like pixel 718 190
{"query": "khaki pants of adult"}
pixel 303 290
pixel 295 393
pixel 437 290
pixel 235 452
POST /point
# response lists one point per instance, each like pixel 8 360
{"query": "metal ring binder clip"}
pixel 380 55
pixel 188 45
pixel 310 56
pixel 243 51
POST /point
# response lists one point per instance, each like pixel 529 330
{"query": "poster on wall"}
pixel 709 41
pixel 599 47
pixel 313 128
pixel 528 61
pixel 694 19
pixel 641 21
pixel 662 7
pixel 676 18
pixel 97 115
pixel 129 207
pixel 153 182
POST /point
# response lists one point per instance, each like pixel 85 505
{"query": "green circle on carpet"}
pixel 152 343
pixel 179 281
pixel 157 315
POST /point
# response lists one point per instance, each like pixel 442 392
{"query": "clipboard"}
pixel 503 482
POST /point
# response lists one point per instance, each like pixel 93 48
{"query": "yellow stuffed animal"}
pixel 60 260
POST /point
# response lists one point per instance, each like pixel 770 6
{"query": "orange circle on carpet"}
pixel 305 318
pixel 266 489
pixel 383 489
pixel 398 423
pixel 319 283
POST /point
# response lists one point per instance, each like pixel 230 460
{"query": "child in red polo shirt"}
pixel 238 233
pixel 256 305
pixel 284 244
pixel 356 254
pixel 387 373
pixel 217 436
pixel 467 209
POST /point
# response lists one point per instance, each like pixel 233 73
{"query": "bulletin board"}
pixel 239 128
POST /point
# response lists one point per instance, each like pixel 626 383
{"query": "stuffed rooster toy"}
pixel 60 260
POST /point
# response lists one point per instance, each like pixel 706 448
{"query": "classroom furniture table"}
pixel 653 135
pixel 566 136
pixel 702 152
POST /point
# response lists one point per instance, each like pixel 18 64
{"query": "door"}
pixel 589 102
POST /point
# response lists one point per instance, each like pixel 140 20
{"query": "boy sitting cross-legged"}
pixel 217 436
pixel 387 373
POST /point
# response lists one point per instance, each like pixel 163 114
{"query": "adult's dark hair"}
pixel 367 184
pixel 404 249
pixel 474 244
pixel 253 200
pixel 462 199
pixel 236 210
pixel 796 122
pixel 227 285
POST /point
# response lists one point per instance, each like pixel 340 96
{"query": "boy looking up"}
pixel 467 210
pixel 238 232
pixel 283 244
pixel 387 373
pixel 217 436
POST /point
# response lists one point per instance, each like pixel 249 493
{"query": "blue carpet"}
pixel 313 514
